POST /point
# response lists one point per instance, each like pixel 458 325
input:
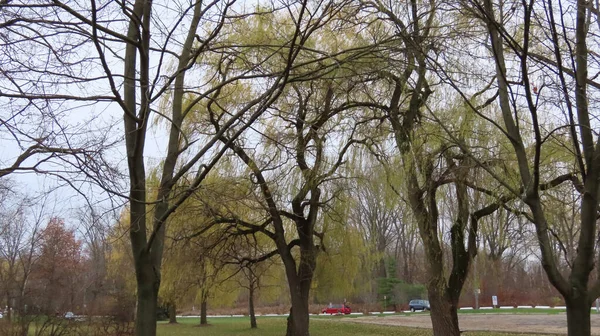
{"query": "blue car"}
pixel 414 305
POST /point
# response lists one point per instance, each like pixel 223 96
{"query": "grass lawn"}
pixel 275 326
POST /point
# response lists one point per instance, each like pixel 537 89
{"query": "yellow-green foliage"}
pixel 194 266
pixel 344 260
pixel 120 265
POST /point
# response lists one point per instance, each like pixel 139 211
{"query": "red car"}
pixel 337 309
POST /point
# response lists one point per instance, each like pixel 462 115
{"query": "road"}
pixel 522 323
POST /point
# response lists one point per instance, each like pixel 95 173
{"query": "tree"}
pixel 94 227
pixel 241 252
pixel 82 48
pixel 21 225
pixel 347 260
pixel 553 76
pixel 13 242
pixel 291 183
pixel 309 126
pixel 382 215
pixel 197 267
pixel 58 268
pixel 120 272
pixel 505 242
pixel 428 163
pixel 377 212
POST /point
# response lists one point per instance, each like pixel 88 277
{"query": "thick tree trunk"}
pixel 298 321
pixel 443 314
pixel 578 316
pixel 172 313
pixel 251 308
pixel 290 324
pixel 299 284
pixel 145 318
pixel 203 320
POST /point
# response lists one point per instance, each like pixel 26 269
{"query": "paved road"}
pixel 534 323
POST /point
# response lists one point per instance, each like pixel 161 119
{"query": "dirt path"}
pixel 524 323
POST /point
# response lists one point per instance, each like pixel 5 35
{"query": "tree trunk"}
pixel 495 281
pixel 298 322
pixel 8 307
pixel 145 318
pixel 290 324
pixel 203 320
pixel 578 316
pixel 251 308
pixel 299 285
pixel 443 314
pixel 172 313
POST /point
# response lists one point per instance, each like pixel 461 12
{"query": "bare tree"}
pixel 547 95
pixel 13 240
pixel 94 226
pixel 243 251
pixel 21 225
pixel 96 55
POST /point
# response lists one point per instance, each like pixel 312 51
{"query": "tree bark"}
pixel 495 281
pixel 251 307
pixel 444 318
pixel 299 284
pixel 203 320
pixel 298 321
pixel 172 313
pixel 578 316
pixel 145 318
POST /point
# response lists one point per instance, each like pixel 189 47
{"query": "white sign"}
pixel 494 300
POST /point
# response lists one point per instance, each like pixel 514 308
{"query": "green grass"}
pixel 275 326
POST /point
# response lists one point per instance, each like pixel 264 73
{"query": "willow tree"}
pixel 546 89
pixel 383 218
pixel 343 271
pixel 293 185
pixel 297 149
pixel 432 135
pixel 428 162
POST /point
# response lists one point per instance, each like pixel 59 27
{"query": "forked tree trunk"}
pixel 148 250
pixel 574 287
pixel 444 318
